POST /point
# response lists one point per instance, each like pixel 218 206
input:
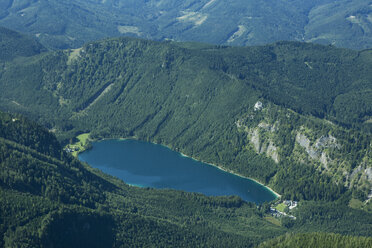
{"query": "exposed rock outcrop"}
pixel 282 135
pixel 264 146
pixel 315 151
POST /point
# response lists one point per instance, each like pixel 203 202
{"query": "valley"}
pixel 294 116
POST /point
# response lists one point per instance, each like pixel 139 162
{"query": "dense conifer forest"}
pixel 309 139
pixel 46 192
pixel 190 97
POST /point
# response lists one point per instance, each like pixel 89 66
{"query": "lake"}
pixel 145 164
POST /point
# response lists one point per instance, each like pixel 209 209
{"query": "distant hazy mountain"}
pixel 70 23
pixel 13 44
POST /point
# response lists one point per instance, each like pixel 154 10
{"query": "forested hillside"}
pixel 199 99
pixel 318 240
pixel 13 44
pixel 48 198
pixel 71 23
pixel 295 116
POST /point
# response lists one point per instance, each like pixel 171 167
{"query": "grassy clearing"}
pixel 281 207
pixel 80 145
pixel 356 204
pixel 75 54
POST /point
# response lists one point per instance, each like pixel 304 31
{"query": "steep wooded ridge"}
pixel 49 199
pixel 199 99
pixel 71 23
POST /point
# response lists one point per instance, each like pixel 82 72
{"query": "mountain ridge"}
pixel 342 23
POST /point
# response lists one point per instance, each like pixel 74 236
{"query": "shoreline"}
pixel 186 156
pixel 233 173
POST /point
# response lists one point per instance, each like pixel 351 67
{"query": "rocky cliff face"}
pixel 318 152
pixel 263 145
pixel 282 134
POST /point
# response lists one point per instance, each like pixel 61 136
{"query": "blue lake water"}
pixel 149 165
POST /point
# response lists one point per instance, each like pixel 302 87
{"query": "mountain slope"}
pixel 13 44
pixel 318 240
pixel 204 101
pixel 50 199
pixel 342 23
pixel 191 98
pixel 311 79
